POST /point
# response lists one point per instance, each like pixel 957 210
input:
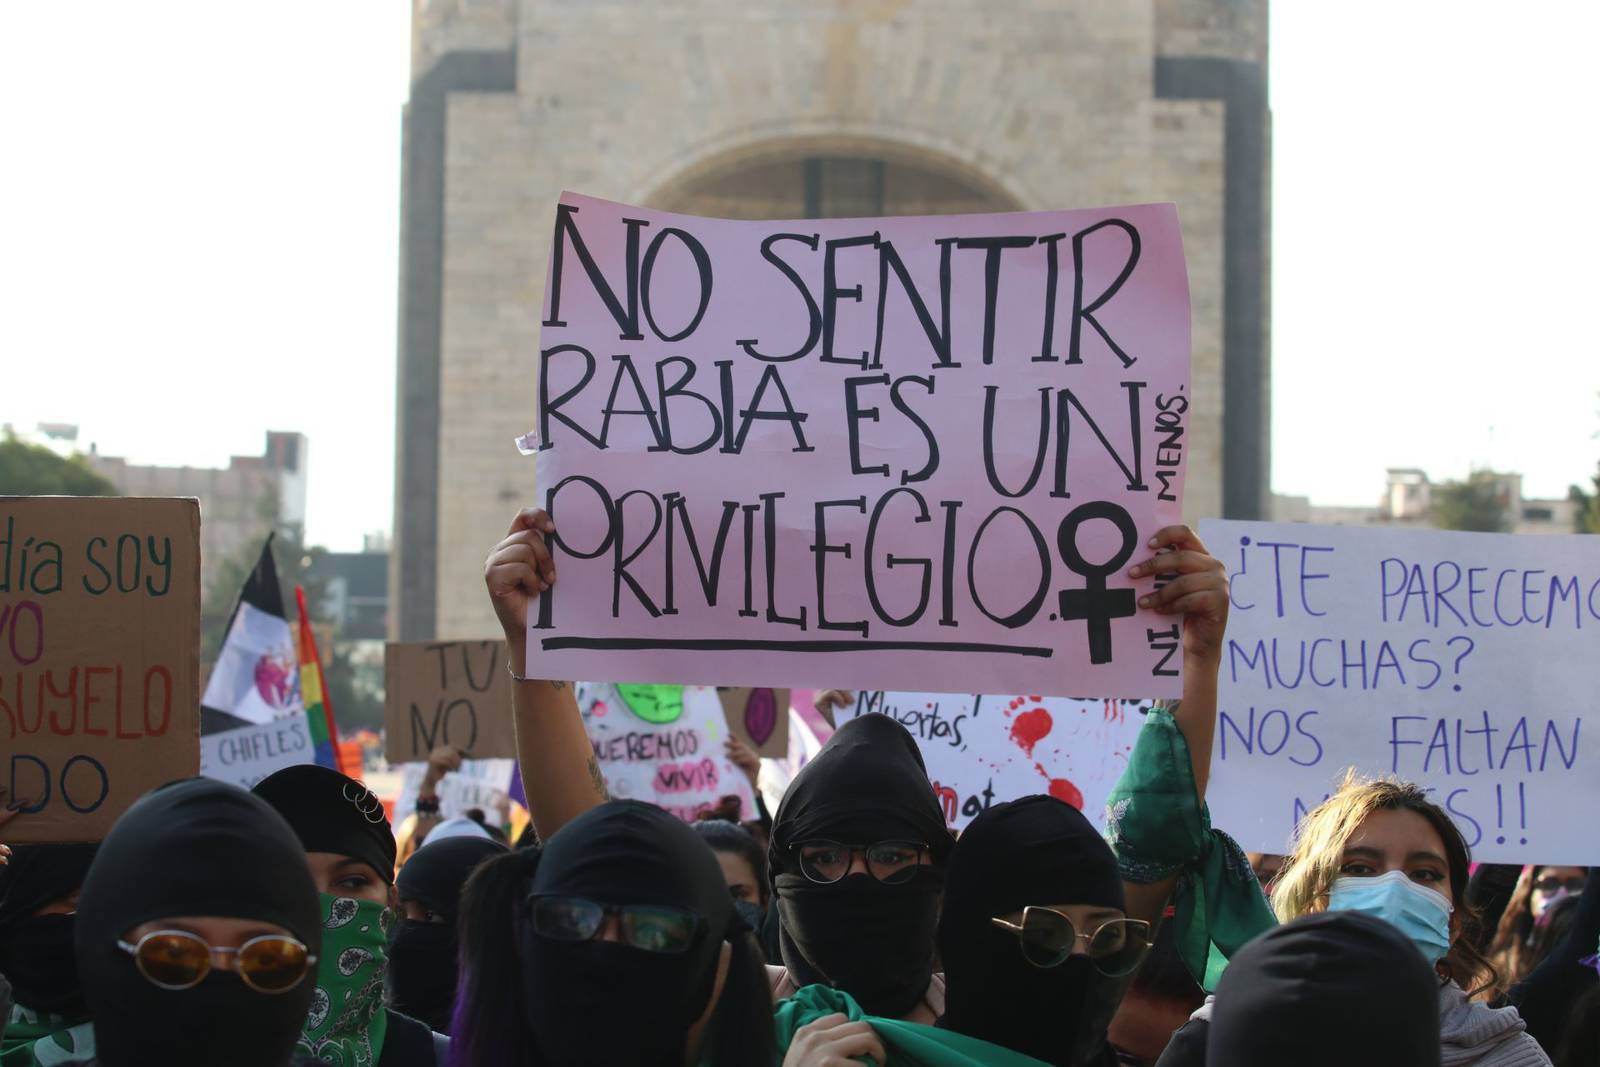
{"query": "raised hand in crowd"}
pixel 828 701
pixel 742 756
pixel 559 771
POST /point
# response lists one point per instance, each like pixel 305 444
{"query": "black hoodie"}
pixel 197 847
pixel 1327 990
pixel 1034 851
pixel 872 940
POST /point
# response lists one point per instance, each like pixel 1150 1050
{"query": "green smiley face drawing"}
pixel 657 704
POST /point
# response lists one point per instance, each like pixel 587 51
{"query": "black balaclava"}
pixel 36 950
pixel 422 955
pixel 874 941
pixel 1033 851
pixel 1327 990
pixel 332 813
pixel 595 1002
pixel 204 848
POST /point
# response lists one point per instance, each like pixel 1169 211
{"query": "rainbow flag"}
pixel 319 713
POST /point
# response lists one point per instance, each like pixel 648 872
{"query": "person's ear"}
pixel 394 897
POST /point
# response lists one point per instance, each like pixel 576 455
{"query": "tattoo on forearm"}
pixel 598 779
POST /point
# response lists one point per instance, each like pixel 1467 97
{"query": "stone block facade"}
pixel 690 104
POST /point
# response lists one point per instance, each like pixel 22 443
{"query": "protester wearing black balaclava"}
pixel 868 937
pixel 351 849
pixel 619 854
pixel 422 945
pixel 196 848
pixel 36 949
pixel 1034 852
pixel 1327 990
pixel 605 947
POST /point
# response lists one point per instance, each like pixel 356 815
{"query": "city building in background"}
pixel 773 109
pixel 355 592
pixel 1409 500
pixel 239 503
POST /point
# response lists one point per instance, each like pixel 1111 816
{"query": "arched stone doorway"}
pixel 829 179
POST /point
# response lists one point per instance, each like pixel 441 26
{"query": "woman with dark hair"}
pixel 744 867
pixel 48 1018
pixel 423 948
pixel 1547 998
pixel 1514 948
pixel 198 933
pixel 351 850
pixel 616 943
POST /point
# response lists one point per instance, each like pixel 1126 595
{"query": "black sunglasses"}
pixel 650 927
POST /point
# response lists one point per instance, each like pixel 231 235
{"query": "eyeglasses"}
pixel 1552 884
pixel 650 927
pixel 175 959
pixel 890 862
pixel 1048 937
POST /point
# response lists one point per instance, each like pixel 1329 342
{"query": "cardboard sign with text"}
pixel 760 717
pixel 447 693
pixel 99 657
pixel 908 452
pixel 1467 663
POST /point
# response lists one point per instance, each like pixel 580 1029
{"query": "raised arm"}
pixel 559 772
pixel 1196 589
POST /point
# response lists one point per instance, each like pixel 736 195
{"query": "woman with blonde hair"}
pixel 1382 848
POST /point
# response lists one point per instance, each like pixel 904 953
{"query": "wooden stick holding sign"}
pixel 99 657
pixel 447 693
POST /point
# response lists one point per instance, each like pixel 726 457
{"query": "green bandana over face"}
pixel 348 1021
pixel 34 1039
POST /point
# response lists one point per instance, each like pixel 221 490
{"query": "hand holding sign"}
pixel 518 570
pixel 560 773
pixel 1190 582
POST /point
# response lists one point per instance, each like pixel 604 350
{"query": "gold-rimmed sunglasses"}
pixel 1115 947
pixel 177 959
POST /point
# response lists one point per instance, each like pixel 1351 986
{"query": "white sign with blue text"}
pixel 1468 663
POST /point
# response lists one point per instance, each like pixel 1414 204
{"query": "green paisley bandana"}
pixel 34 1039
pixel 348 1021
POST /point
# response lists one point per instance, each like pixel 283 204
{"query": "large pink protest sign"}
pixel 911 453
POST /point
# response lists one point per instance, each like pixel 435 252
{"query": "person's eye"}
pixel 1427 876
pixel 1357 869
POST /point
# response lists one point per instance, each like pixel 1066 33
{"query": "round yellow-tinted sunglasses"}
pixel 177 959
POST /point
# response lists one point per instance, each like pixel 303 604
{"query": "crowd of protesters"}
pixel 284 926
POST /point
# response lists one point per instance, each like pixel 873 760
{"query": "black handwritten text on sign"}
pixel 911 453
pixel 455 693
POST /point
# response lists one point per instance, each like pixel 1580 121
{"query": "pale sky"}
pixel 199 228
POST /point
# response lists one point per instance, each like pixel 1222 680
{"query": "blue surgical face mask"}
pixel 1422 914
